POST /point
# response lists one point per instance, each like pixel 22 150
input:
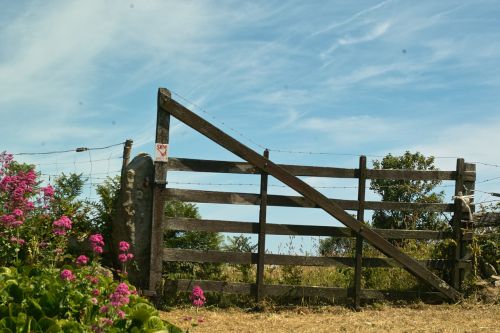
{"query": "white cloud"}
pixel 374 33
pixel 351 18
pixel 351 130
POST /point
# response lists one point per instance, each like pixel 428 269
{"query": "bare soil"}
pixel 381 318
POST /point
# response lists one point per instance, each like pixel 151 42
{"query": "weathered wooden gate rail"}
pixel 257 164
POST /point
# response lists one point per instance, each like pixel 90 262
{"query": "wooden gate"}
pixel 261 164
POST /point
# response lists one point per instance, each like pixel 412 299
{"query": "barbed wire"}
pixel 77 150
pixel 204 111
pixel 78 162
pixel 298 152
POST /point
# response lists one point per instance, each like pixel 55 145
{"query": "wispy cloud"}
pixel 351 130
pixel 351 18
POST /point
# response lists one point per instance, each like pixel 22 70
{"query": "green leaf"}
pixel 155 322
pixel 141 312
pixel 34 309
pixel 15 292
pixel 45 323
pixel 27 326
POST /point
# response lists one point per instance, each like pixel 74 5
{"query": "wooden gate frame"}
pixel 167 107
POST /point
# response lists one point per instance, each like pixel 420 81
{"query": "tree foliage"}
pixel 414 191
pixel 196 240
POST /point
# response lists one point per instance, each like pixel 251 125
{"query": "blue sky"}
pixel 343 77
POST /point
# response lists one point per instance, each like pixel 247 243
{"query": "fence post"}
pixel 160 180
pixel 469 187
pixel 457 224
pixel 262 231
pixel 359 240
pixel 127 148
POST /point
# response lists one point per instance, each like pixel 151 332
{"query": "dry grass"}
pixel 384 318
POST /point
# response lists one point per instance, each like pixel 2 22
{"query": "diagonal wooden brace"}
pixel 183 114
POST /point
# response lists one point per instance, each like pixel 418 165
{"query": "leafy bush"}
pixel 195 240
pixel 42 287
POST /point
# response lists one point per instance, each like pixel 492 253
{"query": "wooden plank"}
pixel 243 258
pixel 358 255
pixel 330 293
pixel 488 219
pixel 238 198
pixel 457 222
pixel 198 165
pixel 162 136
pixel 187 224
pixel 262 232
pixel 410 174
pixel 247 154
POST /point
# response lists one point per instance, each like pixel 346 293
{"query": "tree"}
pixel 415 191
pixel 197 240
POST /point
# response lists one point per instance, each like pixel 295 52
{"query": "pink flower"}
pixel 82 260
pixel 97 249
pixel 197 297
pixel 121 295
pixel 96 239
pixel 103 309
pixel 16 224
pixel 122 257
pixel 106 321
pixel 67 275
pixel 18 212
pixel 96 242
pixel 92 279
pixel 62 225
pixel 96 292
pixel 16 240
pixel 124 246
pixel 94 300
pixel 121 314
pixel 48 191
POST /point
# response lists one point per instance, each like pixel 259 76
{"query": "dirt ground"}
pixel 382 318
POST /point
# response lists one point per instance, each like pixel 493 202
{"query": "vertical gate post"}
pixel 160 180
pixel 262 232
pixel 457 224
pixel 359 239
pixel 127 148
pixel 469 188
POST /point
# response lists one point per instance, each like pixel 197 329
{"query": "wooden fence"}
pixel 463 176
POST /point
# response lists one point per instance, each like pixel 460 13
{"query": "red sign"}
pixel 161 152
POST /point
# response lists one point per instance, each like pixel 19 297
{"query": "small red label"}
pixel 161 152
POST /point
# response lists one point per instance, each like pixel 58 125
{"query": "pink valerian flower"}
pixel 62 225
pixel 96 292
pixel 121 314
pixel 48 191
pixel 18 241
pixel 94 300
pixel 67 275
pixel 93 279
pixel 97 243
pixel 106 321
pixel 197 297
pixel 103 309
pixel 82 260
pixel 120 296
pixel 10 221
pixel 124 257
pixel 124 246
pixel 17 212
